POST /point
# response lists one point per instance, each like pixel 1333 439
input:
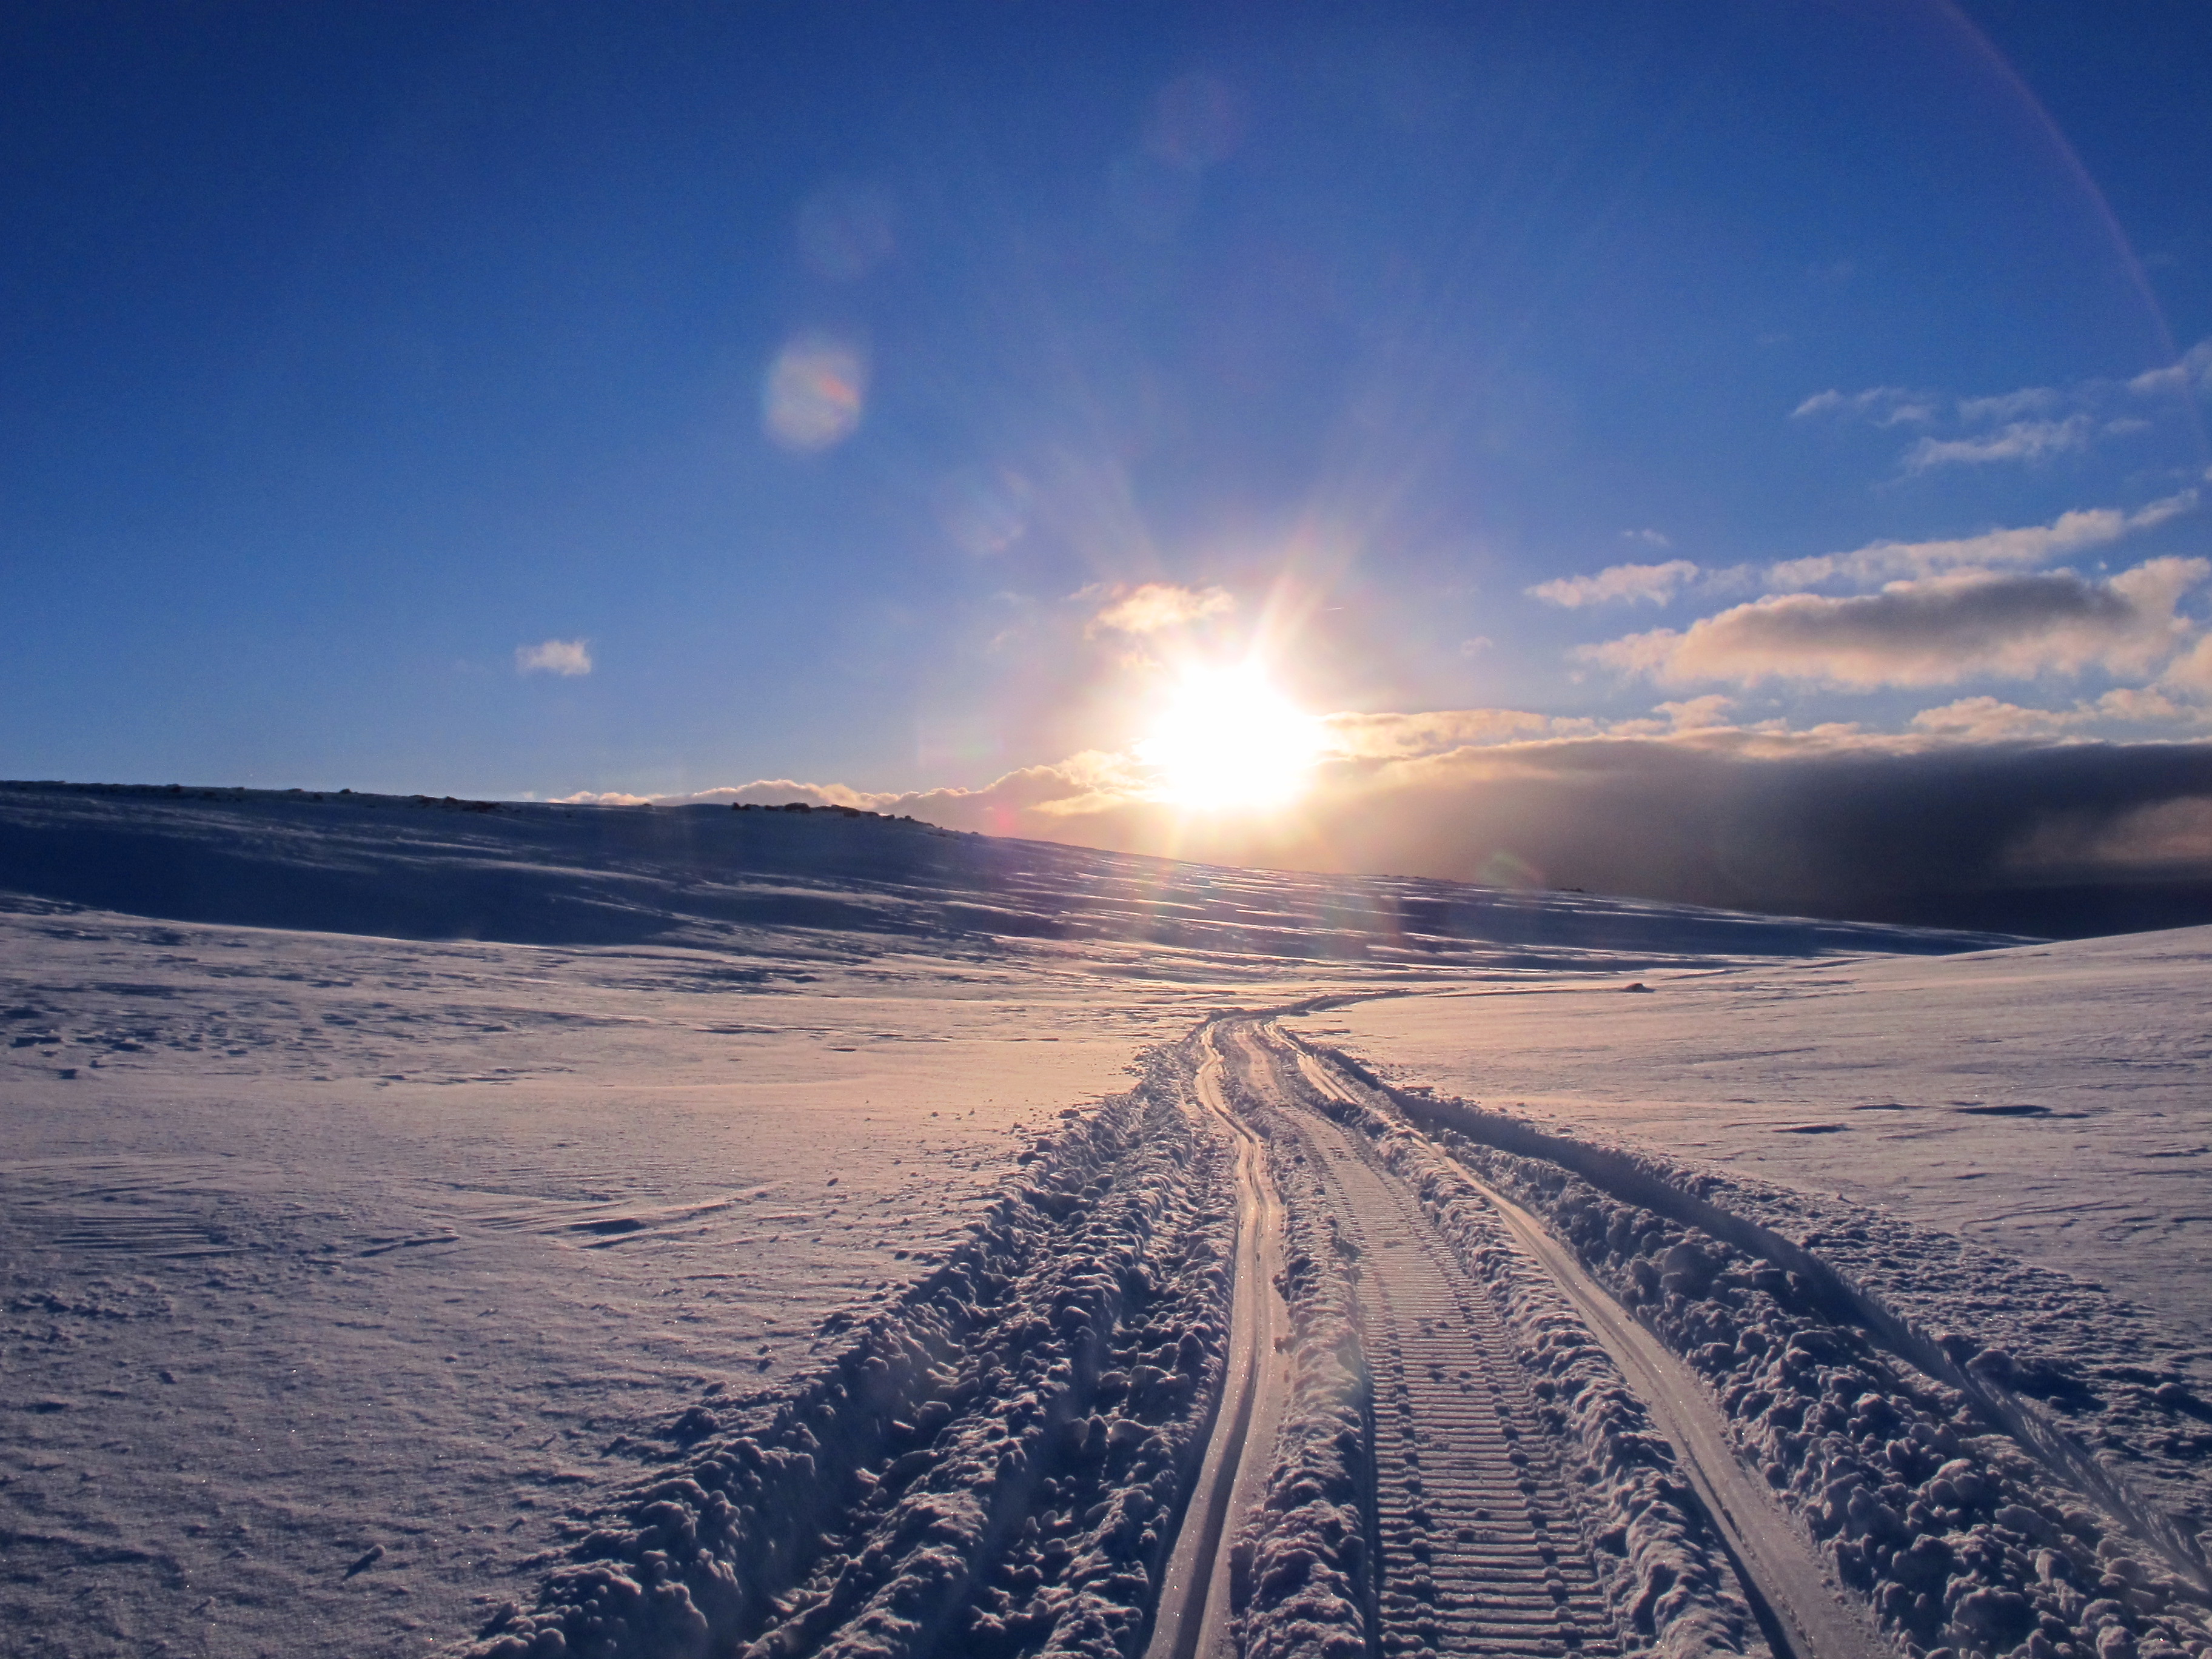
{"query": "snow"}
pixel 397 1192
pixel 996 1461
pixel 1664 1569
pixel 332 1242
pixel 1996 1453
pixel 2048 1100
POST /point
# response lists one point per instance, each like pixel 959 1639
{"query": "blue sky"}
pixel 505 399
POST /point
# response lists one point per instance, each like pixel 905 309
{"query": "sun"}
pixel 1229 741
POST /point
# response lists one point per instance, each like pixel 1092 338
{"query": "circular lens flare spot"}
pixel 1229 742
pixel 814 393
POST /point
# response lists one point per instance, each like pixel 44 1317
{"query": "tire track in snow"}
pixel 1766 1549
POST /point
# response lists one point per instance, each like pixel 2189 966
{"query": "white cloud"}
pixel 1932 632
pixel 2018 440
pixel 1697 713
pixel 1648 537
pixel 2028 544
pixel 2026 425
pixel 1991 719
pixel 1155 605
pixel 2009 405
pixel 1884 405
pixel 2192 671
pixel 1630 583
pixel 567 658
pixel 2192 372
pixel 1398 736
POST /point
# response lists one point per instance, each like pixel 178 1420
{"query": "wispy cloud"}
pixel 1933 632
pixel 1629 583
pixel 2027 544
pixel 2191 672
pixel 1883 405
pixel 1156 605
pixel 1991 719
pixel 1399 737
pixel 2010 405
pixel 1697 713
pixel 2017 441
pixel 2022 426
pixel 2192 371
pixel 567 658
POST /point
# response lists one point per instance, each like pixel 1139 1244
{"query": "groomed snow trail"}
pixel 1765 1550
pixel 1193 1614
pixel 1481 1551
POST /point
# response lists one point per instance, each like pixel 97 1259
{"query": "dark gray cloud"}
pixel 2056 839
pixel 1933 632
pixel 2036 837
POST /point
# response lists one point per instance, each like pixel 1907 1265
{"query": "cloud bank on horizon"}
pixel 1975 818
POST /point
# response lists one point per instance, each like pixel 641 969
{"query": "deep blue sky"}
pixel 350 349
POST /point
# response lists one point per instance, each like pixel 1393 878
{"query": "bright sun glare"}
pixel 1230 742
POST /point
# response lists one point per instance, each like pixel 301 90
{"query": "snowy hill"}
pixel 419 867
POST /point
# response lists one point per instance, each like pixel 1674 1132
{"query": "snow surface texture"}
pixel 995 1466
pixel 2049 1101
pixel 396 1176
pixel 333 1243
pixel 1660 1562
pixel 1931 1464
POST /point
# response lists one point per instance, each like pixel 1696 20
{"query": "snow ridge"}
pixel 1951 1506
pixel 994 1468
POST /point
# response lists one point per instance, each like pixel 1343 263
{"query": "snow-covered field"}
pixel 2052 1101
pixel 387 1181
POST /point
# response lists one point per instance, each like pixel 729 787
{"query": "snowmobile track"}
pixel 1480 1549
pixel 1789 1586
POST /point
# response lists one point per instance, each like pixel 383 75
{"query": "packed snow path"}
pixel 1480 1550
pixel 1774 1566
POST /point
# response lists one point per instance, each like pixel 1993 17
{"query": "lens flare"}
pixel 814 393
pixel 1229 741
pixel 845 231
